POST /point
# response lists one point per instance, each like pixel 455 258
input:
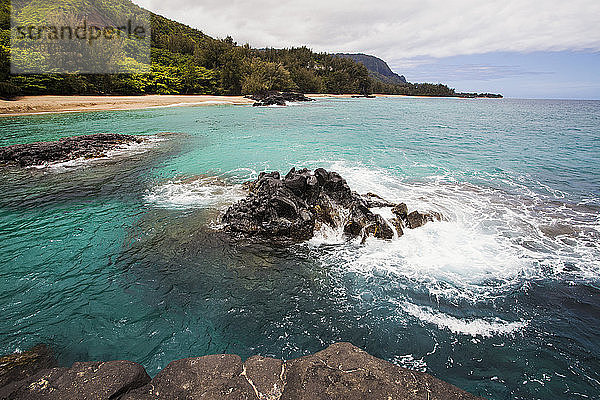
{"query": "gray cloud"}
pixel 401 32
pixel 472 72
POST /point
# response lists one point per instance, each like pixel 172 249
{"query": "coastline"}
pixel 33 105
pixel 341 371
pixel 48 104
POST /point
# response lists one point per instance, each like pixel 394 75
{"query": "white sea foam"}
pixel 409 361
pixel 325 234
pixel 127 149
pixel 205 191
pixel 492 242
pixel 472 326
pixel 200 192
pixel 195 103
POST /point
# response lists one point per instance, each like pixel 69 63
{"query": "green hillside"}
pixel 377 68
pixel 186 61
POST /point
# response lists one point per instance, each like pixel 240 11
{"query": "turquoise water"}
pixel 121 258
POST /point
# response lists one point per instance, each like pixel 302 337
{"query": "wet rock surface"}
pixel 374 201
pixel 274 98
pixel 342 371
pixel 17 366
pixel 209 377
pixel 83 381
pixel 65 149
pixel 416 219
pixel 294 206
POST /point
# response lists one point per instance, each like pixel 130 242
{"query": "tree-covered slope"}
pixel 378 68
pixel 186 61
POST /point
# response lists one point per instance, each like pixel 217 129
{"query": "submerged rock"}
pixel 341 371
pixel 274 98
pixel 294 206
pixel 65 149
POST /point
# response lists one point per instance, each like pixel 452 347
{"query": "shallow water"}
pixel 119 259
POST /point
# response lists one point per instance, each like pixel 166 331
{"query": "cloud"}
pixel 434 72
pixel 398 31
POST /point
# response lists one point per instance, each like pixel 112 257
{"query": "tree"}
pixel 266 75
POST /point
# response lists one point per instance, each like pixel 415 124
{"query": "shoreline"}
pixel 36 105
pixel 340 371
pixel 50 104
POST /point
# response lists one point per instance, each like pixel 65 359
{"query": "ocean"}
pixel 120 258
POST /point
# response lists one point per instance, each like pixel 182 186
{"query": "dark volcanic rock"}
pixel 87 146
pixel 293 207
pixel 401 211
pixel 374 201
pixel 380 229
pixel 416 219
pixel 209 377
pixel 342 371
pixel 83 381
pixel 271 98
pixel 17 366
pixel 266 375
pixel 399 225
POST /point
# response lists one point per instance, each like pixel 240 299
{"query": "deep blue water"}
pixel 119 259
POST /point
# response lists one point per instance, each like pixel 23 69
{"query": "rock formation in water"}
pixel 342 371
pixel 65 149
pixel 274 98
pixel 294 206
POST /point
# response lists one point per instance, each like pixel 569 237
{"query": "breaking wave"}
pixel 195 192
pixel 494 241
pixel 123 150
pixel 471 326
pixel 201 191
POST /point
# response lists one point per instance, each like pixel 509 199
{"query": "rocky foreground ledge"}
pixel 342 371
pixel 65 149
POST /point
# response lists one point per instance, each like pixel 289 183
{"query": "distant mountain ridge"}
pixel 378 68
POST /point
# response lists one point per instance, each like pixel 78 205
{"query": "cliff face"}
pixel 342 371
pixel 377 68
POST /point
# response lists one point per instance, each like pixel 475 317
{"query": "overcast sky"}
pixel 480 45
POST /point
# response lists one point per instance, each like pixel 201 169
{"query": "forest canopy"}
pixel 186 61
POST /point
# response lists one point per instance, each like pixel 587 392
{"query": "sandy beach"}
pixel 29 105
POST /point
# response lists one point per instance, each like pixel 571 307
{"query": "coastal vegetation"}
pixel 184 60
